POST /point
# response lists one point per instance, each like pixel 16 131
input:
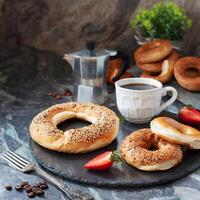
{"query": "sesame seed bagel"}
pixel 100 133
pixel 136 149
pixel 176 132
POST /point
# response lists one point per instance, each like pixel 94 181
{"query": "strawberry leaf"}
pixel 116 157
pixel 189 106
pixel 121 119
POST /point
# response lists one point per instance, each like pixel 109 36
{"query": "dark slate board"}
pixel 121 175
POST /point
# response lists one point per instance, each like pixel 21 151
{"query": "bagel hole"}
pixel 153 147
pixel 73 123
pixel 155 73
pixel 192 72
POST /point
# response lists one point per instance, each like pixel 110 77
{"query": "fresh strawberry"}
pixel 103 161
pixel 190 115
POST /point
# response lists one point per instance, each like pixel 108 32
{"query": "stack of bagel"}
pixel 158 60
pixel 159 147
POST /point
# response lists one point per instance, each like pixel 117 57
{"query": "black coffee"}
pixel 136 86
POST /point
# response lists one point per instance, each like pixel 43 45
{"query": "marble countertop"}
pixel 26 76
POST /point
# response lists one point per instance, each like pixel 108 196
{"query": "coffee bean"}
pixel 50 94
pixel 43 186
pixel 8 187
pixel 28 190
pixel 67 90
pixel 38 191
pixel 42 182
pixel 58 97
pixel 37 185
pixel 68 93
pixel 31 195
pixel 24 183
pixel 26 186
pixel 18 188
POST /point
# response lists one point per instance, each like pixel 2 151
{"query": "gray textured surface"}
pixel 64 25
pixel 26 75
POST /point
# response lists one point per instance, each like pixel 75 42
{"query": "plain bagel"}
pixel 171 130
pixel 136 149
pixel 154 51
pixel 153 67
pixel 101 132
pixel 167 69
pixel 187 73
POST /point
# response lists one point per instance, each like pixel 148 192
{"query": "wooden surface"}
pixel 192 38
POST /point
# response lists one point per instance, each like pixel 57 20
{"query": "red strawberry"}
pixel 190 115
pixel 103 161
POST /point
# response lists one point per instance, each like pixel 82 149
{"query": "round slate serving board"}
pixel 70 166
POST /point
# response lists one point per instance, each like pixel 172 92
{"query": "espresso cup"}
pixel 139 106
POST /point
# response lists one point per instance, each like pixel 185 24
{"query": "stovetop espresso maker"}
pixel 89 69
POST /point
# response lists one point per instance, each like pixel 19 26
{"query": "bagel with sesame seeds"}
pixel 146 151
pixel 102 131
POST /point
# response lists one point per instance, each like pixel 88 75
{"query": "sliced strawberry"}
pixel 103 161
pixel 190 115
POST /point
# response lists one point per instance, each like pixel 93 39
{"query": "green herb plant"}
pixel 165 20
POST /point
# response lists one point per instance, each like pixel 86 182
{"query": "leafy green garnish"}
pixel 121 119
pixel 116 157
pixel 165 20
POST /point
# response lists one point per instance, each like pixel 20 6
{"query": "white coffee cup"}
pixel 139 106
